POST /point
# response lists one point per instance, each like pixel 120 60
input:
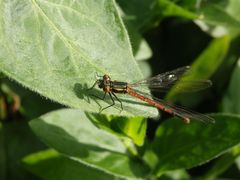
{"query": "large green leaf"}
pixel 184 146
pixel 70 132
pixel 56 47
pixel 50 164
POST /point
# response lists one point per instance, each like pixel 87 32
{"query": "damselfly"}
pixel 159 83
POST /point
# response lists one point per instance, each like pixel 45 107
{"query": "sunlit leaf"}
pixel 56 47
pixel 168 8
pixel 132 127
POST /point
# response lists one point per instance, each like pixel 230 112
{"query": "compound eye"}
pixel 100 84
pixel 106 78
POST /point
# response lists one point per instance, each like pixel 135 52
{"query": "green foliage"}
pixel 177 155
pixel 231 100
pixel 49 164
pixel 206 64
pixel 89 145
pixel 49 50
pixel 53 50
pixel 222 16
pixel 16 141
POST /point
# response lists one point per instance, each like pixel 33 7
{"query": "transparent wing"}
pixel 164 78
pixel 185 113
pixel 179 111
pixel 167 80
pixel 182 86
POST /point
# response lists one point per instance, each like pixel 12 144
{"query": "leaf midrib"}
pixel 65 41
pixel 104 30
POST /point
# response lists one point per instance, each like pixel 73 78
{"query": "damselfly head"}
pixel 100 83
pixel 106 78
pixel 103 81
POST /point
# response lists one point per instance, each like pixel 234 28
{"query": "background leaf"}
pixel 140 47
pixel 230 104
pixel 55 48
pixel 178 146
pixel 89 145
pixel 16 141
pixel 206 64
pixel 32 105
pixel 168 8
pixel 49 164
pixel 3 169
pixel 231 100
pixel 175 175
pixel 223 163
pixel 141 17
pixel 220 17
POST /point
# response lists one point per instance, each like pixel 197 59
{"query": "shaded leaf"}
pixel 223 163
pixel 205 65
pixel 140 47
pixel 50 164
pixel 3 159
pixel 16 141
pixel 141 17
pixel 178 146
pixel 149 13
pixel 230 104
pixel 32 104
pixel 90 145
pixel 238 162
pixel 231 100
